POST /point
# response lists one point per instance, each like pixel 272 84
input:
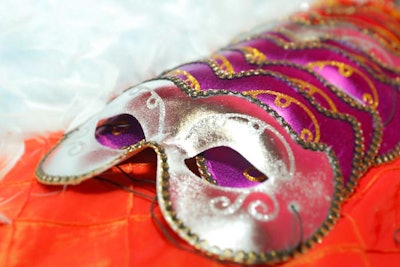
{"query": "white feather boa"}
pixel 60 61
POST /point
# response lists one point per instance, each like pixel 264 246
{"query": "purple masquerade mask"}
pixel 279 139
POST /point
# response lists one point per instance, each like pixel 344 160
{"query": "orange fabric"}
pixel 98 224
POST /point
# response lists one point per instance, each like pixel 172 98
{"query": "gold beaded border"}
pixel 381 34
pixel 366 53
pixel 317 45
pixel 353 15
pixel 370 157
pixel 387 157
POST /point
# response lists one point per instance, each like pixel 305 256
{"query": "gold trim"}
pixel 192 82
pixel 223 62
pixel 251 178
pixel 253 55
pixel 284 101
pixel 311 90
pixel 347 71
pixel 313 45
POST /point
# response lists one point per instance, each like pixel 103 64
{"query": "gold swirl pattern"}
pixel 378 71
pixel 311 90
pixel 189 79
pixel 253 55
pixel 315 16
pixel 390 23
pixel 389 45
pixel 223 63
pixel 375 70
pixel 306 135
pixel 370 99
pixel 322 36
pixel 284 101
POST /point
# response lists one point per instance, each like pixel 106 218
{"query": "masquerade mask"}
pixel 280 129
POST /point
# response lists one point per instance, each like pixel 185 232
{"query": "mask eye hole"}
pixel 225 167
pixel 119 131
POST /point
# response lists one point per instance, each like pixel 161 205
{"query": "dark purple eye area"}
pixel 119 131
pixel 225 167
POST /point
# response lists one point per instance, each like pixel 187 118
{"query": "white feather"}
pixel 11 149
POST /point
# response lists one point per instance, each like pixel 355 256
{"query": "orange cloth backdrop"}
pixel 98 224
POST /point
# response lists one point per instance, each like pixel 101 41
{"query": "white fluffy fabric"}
pixel 60 61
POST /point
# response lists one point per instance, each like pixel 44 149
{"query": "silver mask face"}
pixel 235 220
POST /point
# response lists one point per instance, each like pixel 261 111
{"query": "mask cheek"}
pixel 272 216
